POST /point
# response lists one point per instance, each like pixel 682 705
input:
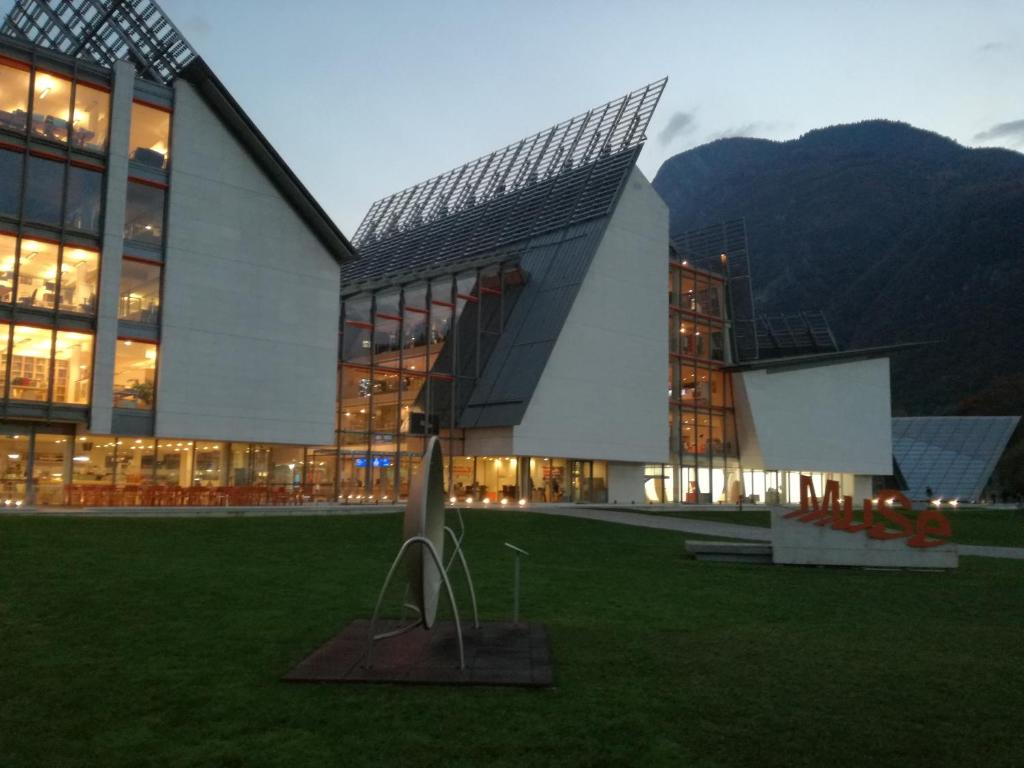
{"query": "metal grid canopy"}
pixel 802 333
pixel 105 31
pixel 602 132
pixel 952 455
pixel 704 248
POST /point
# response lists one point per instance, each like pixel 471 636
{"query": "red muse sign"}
pixel 838 512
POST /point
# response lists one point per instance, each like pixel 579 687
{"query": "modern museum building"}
pixel 181 322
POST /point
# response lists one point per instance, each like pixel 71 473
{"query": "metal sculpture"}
pixel 424 532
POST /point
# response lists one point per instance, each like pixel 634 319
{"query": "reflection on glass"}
pixel 51 106
pixel 149 142
pixel 72 369
pixel 140 292
pixel 144 213
pixel 90 124
pixel 78 280
pixel 48 468
pixel 44 190
pixel 37 275
pixel 85 191
pixel 209 468
pixel 93 461
pixel 174 463
pixel 135 374
pixel 8 251
pixel 5 331
pixel 30 363
pixel 13 468
pixel 10 182
pixel 13 97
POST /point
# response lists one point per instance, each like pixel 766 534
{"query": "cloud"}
pixel 747 129
pixel 991 47
pixel 679 124
pixel 1012 132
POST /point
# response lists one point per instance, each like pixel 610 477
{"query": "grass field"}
pixel 161 643
pixel 971 525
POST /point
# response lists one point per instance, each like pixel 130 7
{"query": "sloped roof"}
pixel 559 177
pixel 953 455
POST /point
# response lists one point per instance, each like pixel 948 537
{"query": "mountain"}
pixel 898 234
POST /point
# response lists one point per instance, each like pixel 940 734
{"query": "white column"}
pixel 102 410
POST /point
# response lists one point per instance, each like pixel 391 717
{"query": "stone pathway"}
pixel 726 530
pixel 661 522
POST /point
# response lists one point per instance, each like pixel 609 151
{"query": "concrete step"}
pixel 730 551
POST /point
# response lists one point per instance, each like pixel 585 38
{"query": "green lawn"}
pixel 161 643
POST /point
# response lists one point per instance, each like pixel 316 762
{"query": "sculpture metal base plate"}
pixel 498 653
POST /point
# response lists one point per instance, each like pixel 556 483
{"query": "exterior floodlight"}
pixel 522 502
pixel 452 500
pixel 954 503
pixel 504 502
pixel 486 500
pixel 469 499
pixel 937 503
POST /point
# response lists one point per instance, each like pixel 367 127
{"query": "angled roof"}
pixel 559 177
pixel 797 333
pixel 542 203
pixel 138 31
pixel 953 455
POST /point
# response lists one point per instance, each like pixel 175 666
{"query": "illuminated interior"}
pixel 135 374
pixel 149 142
pixel 51 106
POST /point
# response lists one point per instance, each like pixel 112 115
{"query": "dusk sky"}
pixel 364 99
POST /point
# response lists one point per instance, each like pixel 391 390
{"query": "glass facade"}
pixel 144 212
pixel 29 272
pixel 135 374
pixel 139 298
pixel 150 139
pixel 409 356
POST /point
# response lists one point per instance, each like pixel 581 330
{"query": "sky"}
pixel 363 99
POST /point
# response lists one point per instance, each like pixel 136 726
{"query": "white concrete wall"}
pixel 102 408
pixel 603 391
pixel 489 441
pixel 833 417
pixel 626 483
pixel 251 299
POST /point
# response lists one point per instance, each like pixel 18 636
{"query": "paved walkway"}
pixel 727 530
pixel 661 522
pixel 637 519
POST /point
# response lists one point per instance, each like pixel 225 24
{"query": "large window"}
pixel 139 299
pixel 79 278
pixel 135 374
pixel 44 190
pixel 8 257
pixel 37 275
pixel 10 182
pixel 30 363
pixel 144 213
pixel 51 106
pixel 13 95
pixel 149 142
pixel 91 121
pixel 34 354
pixel 85 194
pixel 72 373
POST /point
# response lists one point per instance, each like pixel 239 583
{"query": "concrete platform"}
pixel 730 551
pixel 499 653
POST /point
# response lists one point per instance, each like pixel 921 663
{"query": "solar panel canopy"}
pixel 105 31
pixel 953 455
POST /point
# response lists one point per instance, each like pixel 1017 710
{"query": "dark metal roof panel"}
pixel 556 269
